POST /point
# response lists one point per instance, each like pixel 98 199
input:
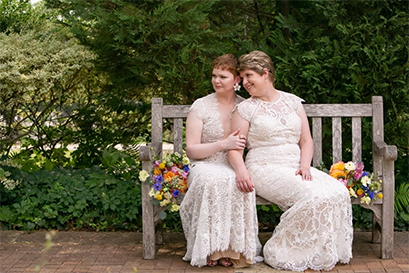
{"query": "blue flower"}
pixel 365 174
pixel 186 168
pixel 159 179
pixel 175 193
pixel 372 194
pixel 157 186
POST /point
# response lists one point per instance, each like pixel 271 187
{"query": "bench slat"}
pixel 336 140
pixel 175 111
pixel 338 110
pixel 178 134
pixel 356 139
pixel 317 138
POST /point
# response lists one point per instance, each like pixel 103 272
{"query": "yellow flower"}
pixel 174 207
pixel 164 203
pixel 359 192
pixel 158 197
pixel 161 165
pixel 185 160
pixel 352 193
pixel 380 195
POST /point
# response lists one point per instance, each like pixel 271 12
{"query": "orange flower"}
pixel 168 176
pixel 156 171
pixel 338 174
pixel 380 195
pixel 337 166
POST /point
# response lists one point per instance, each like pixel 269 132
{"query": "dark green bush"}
pixel 79 199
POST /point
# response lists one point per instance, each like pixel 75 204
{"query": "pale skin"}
pixel 262 87
pixel 223 82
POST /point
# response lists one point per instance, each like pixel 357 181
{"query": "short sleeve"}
pixel 247 108
pixel 199 107
pixel 295 102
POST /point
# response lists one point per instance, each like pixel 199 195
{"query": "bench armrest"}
pixel 145 153
pixel 388 152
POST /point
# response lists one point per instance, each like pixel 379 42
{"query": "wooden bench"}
pixel 383 161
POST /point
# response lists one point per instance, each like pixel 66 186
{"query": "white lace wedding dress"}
pixel 215 215
pixel 315 230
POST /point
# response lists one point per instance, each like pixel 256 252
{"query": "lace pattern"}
pixel 215 214
pixel 315 230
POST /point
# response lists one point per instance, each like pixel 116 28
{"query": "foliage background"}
pixel 76 73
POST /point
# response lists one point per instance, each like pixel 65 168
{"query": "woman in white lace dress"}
pixel 219 221
pixel 315 230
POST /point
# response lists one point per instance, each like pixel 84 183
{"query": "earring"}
pixel 236 87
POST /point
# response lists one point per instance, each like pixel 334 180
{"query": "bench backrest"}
pixel 315 111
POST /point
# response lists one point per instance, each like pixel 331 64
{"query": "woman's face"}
pixel 253 82
pixel 222 80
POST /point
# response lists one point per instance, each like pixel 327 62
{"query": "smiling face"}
pixel 253 82
pixel 223 80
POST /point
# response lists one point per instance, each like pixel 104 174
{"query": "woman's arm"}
pixel 195 149
pixel 306 147
pixel 243 179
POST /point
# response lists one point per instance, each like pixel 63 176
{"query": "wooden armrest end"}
pixel 389 152
pixel 145 153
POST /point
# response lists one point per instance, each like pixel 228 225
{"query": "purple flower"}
pixel 157 186
pixel 359 167
pixel 175 193
pixel 357 175
pixel 174 169
pixel 159 179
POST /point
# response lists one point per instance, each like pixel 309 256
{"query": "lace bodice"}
pixel 316 229
pixel 272 123
pixel 207 110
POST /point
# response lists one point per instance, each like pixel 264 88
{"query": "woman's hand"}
pixel 234 141
pixel 244 182
pixel 305 173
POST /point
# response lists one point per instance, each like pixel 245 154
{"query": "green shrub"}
pixel 63 198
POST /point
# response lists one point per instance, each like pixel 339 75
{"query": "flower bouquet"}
pixel 168 180
pixel 361 184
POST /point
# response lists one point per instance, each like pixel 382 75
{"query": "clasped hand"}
pixel 235 141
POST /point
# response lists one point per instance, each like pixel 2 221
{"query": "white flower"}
pixel 365 200
pixel 350 166
pixel 366 180
pixel 152 193
pixel 168 195
pixel 143 175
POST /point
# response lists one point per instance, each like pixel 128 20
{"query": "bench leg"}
pixel 148 227
pixel 388 210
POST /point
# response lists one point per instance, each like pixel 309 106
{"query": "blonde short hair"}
pixel 226 62
pixel 257 61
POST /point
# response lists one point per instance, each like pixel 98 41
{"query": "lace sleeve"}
pixel 198 106
pixel 295 102
pixel 247 108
